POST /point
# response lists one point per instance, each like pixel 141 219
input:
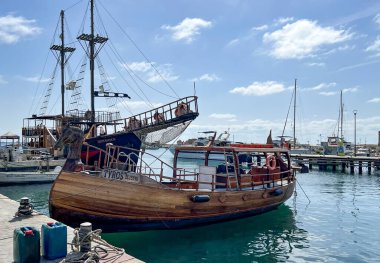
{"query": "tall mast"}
pixel 92 41
pixel 294 112
pixel 62 50
pixel 341 114
pixel 92 66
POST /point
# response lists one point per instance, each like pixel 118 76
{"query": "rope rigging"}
pixel 139 50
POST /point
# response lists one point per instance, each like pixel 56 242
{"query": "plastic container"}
pixel 26 245
pixel 54 240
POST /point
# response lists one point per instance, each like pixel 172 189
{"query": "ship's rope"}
pixel 139 50
pixel 101 251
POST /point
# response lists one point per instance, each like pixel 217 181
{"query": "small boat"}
pixel 16 158
pixel 121 194
pixel 39 176
pixel 211 140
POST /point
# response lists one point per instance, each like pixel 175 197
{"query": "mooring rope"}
pixel 102 251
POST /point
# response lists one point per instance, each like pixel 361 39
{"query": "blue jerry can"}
pixel 54 240
pixel 26 245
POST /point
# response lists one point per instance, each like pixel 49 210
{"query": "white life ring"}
pixel 271 162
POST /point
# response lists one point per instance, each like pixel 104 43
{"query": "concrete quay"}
pixel 9 222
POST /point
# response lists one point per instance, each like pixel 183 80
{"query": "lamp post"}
pixel 355 112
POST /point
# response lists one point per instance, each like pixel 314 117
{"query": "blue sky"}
pixel 242 55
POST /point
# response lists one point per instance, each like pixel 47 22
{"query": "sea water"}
pixel 340 223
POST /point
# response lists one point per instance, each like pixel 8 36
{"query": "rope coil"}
pixel 102 251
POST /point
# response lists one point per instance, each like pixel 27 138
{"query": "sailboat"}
pixel 101 127
pixel 336 144
pixel 290 142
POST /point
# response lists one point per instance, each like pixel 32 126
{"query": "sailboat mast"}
pixel 294 112
pixel 62 52
pixel 92 41
pixel 92 66
pixel 61 49
pixel 341 114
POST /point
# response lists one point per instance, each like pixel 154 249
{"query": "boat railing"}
pixel 179 111
pixel 132 160
pixel 99 116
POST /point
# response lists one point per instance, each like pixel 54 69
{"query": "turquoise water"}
pixel 341 223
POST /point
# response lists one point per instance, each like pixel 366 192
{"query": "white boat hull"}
pixel 198 155
pixel 28 177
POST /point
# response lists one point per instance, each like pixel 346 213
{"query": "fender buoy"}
pixel 271 162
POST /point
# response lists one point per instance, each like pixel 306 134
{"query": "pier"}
pixel 342 163
pixel 9 207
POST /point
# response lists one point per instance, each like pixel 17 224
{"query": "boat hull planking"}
pixel 115 205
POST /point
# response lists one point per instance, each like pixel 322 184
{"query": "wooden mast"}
pixel 62 65
pixel 62 50
pixel 92 40
pixel 92 48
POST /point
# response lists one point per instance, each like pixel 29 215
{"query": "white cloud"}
pixel 13 28
pixel 323 86
pixel 233 42
pixel 188 29
pixel 138 105
pixel 377 19
pixel 260 28
pixel 328 93
pixel 316 64
pixel 152 72
pixel 303 38
pixel 207 77
pixel 260 88
pixel 283 20
pixel 2 80
pixel 354 89
pixel 375 47
pixel 36 79
pixel 374 100
pixel 140 66
pixel 224 116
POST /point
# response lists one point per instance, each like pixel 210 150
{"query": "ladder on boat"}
pixel 232 180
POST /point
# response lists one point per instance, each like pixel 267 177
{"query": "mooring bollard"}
pixel 25 207
pixel 85 237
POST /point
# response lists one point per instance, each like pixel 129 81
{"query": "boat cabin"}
pixel 243 168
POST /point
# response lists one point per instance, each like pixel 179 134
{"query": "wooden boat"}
pixel 39 176
pixel 121 194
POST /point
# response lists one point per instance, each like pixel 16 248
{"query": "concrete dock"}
pixel 9 222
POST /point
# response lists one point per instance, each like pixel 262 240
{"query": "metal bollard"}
pixel 84 237
pixel 25 207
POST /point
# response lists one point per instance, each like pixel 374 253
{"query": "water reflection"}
pixel 270 237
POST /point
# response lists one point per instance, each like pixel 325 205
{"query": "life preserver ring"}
pixel 271 162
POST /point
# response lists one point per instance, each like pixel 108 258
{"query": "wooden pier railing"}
pixel 336 162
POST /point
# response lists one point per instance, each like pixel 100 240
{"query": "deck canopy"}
pixel 7 137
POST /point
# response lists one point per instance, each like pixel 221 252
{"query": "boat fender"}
pixel 277 192
pixel 200 198
pixel 271 162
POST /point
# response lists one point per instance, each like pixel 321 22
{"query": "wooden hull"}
pixel 115 205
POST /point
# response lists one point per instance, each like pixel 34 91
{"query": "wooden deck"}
pixel 338 162
pixel 9 222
